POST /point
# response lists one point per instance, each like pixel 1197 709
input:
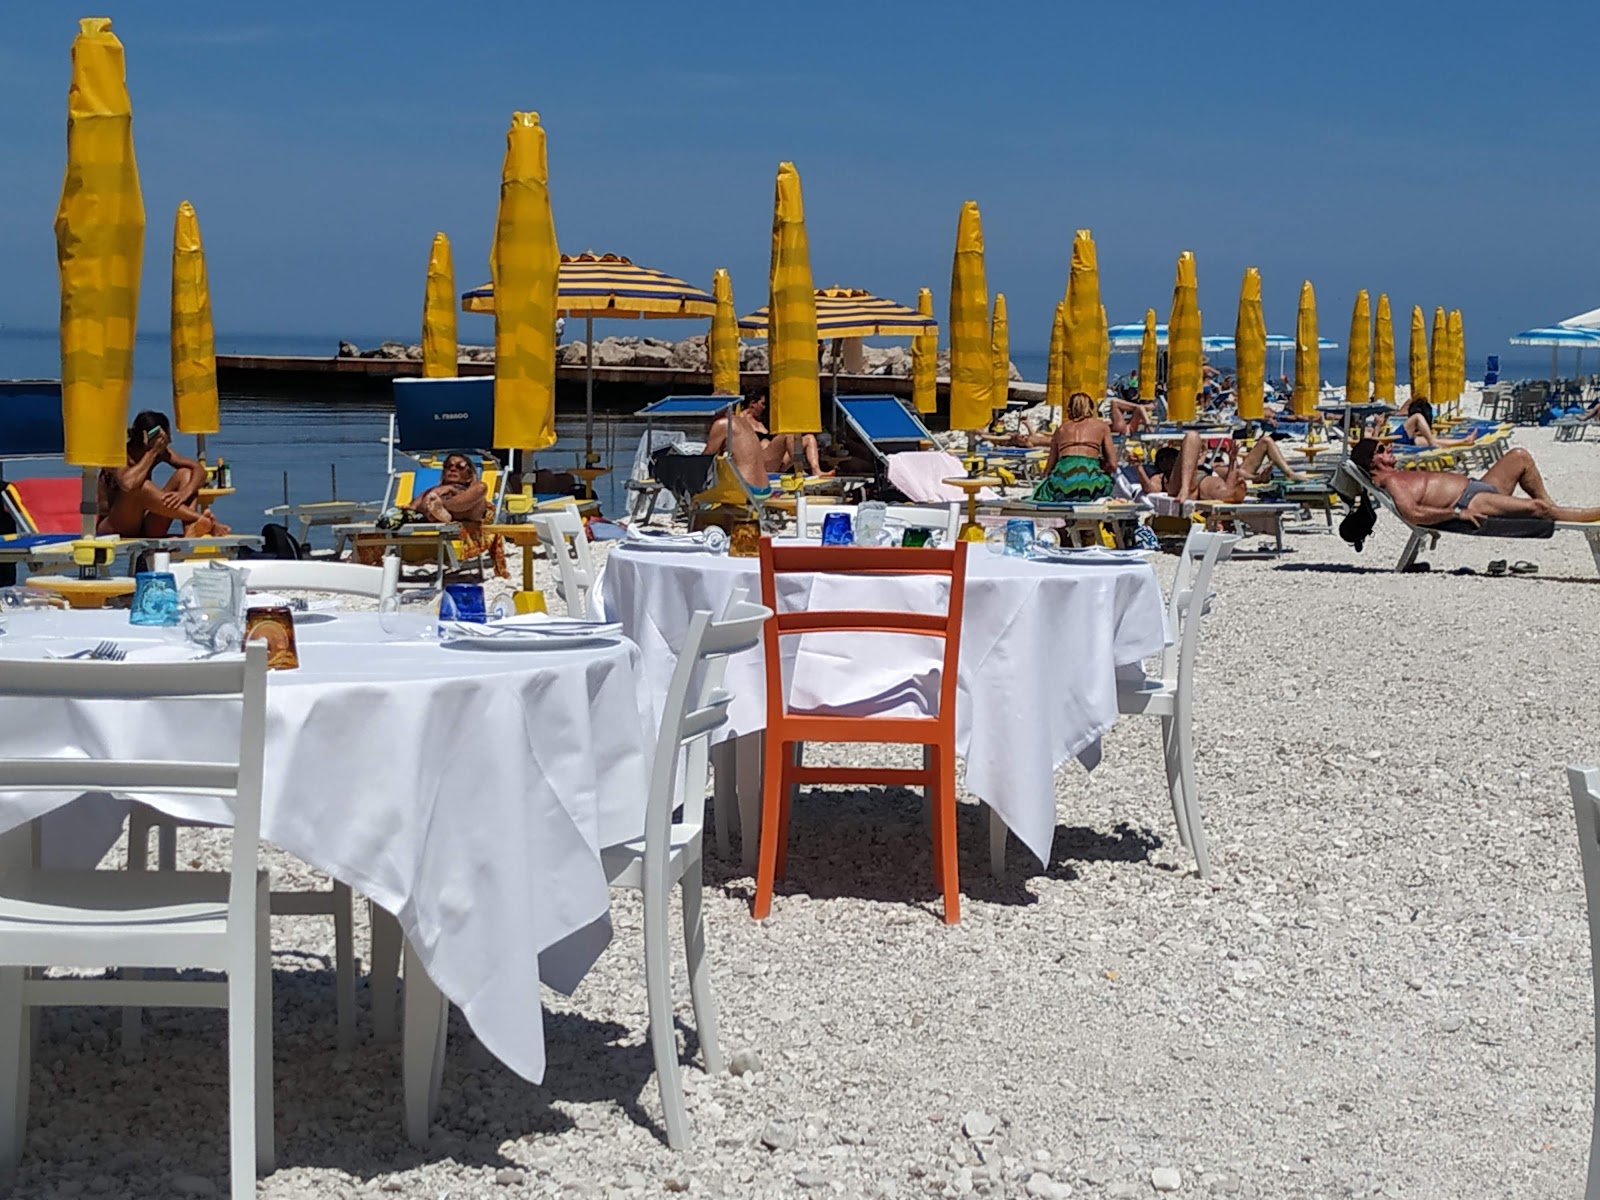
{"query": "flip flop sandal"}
pixel 1497 567
pixel 1523 567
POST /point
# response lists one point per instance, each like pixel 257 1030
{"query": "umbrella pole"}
pixel 200 446
pixel 588 391
pixel 1555 351
pixel 90 508
pixel 838 345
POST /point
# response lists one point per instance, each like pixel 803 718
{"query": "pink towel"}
pixel 920 475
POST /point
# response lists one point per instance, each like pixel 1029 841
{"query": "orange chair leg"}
pixel 772 792
pixel 949 874
pixel 783 829
pixel 935 816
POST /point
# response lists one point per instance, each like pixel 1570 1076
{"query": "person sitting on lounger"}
pixel 459 496
pixel 738 434
pixel 1417 429
pixel 1128 417
pixel 1435 497
pixel 778 448
pixel 1229 484
pixel 132 504
pixel 1083 458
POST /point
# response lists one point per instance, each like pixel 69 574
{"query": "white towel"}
pixel 920 474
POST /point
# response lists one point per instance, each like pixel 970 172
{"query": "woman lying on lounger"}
pixel 1225 484
pixel 1417 429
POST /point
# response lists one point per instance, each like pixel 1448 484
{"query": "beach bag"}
pixel 276 543
pixel 1358 522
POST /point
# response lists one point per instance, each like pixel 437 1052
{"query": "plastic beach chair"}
pixel 787 731
pixel 1585 783
pixel 214 921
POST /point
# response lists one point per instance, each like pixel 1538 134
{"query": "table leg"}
pixel 748 772
pixel 422 1058
pixel 725 791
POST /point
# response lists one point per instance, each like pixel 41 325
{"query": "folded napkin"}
pixel 665 538
pixel 273 600
pixel 1097 553
pixel 146 652
pixel 538 623
pixel 530 630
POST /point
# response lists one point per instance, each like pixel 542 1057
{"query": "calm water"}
pixel 306 450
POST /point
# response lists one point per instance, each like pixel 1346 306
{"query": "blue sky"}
pixel 1391 146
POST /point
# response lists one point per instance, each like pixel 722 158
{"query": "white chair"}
pixel 1170 695
pixel 1585 783
pixel 271 574
pixel 208 920
pixel 563 531
pixel 668 855
pixel 808 515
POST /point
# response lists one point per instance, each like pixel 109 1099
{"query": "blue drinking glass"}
pixel 1019 535
pixel 463 602
pixel 155 599
pixel 836 530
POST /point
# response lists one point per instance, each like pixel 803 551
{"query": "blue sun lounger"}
pixel 884 424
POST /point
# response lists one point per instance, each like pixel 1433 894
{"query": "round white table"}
pixel 468 792
pixel 1041 643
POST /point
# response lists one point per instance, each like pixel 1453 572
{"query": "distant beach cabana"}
pixel 610 286
pixel 1559 338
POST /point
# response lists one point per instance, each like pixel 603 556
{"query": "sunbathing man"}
pixel 459 496
pixel 1434 497
pixel 1228 485
pixel 132 505
pixel 737 433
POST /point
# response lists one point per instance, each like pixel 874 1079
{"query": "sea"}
pixel 332 447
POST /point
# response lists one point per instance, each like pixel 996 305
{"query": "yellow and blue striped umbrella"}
pixel 439 350
pixel 1358 358
pixel 925 359
pixel 612 286
pixel 971 367
pixel 525 261
pixel 1055 379
pixel 1417 354
pixel 795 394
pixel 1307 355
pixel 1250 348
pixel 1083 317
pixel 1183 342
pixel 194 340
pixel 1000 350
pixel 853 313
pixel 723 350
pixel 1149 357
pixel 1383 352
pixel 99 230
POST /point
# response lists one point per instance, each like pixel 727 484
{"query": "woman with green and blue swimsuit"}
pixel 1083 457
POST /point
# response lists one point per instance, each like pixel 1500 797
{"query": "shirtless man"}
pixel 778 448
pixel 459 496
pixel 1434 497
pixel 133 505
pixel 1229 485
pixel 738 434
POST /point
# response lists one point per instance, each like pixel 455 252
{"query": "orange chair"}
pixel 784 729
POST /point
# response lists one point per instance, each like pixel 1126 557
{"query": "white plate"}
pixel 663 544
pixel 544 641
pixel 1081 558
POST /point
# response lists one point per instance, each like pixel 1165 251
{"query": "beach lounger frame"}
pixel 884 425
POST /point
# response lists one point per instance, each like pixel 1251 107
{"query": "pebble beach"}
pixel 1384 990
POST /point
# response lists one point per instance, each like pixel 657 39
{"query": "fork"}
pixel 102 652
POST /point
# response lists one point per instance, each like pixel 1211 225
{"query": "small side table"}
pixel 206 496
pixel 525 537
pixel 972 485
pixel 82 593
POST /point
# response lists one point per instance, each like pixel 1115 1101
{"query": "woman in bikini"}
pixel 1083 458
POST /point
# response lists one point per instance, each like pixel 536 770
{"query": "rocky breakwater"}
pixel 686 355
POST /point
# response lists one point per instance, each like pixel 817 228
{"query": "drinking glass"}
pixel 413 613
pixel 836 530
pixel 994 537
pixel 1046 539
pixel 465 603
pixel 275 627
pixel 212 608
pixel 869 523
pixel 914 537
pixel 1019 535
pixel 155 599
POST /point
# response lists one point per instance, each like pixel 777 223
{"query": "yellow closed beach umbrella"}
pixel 925 360
pixel 971 365
pixel 1000 352
pixel 1307 358
pixel 99 230
pixel 1458 356
pixel 1250 348
pixel 1358 359
pixel 194 340
pixel 439 352
pixel 1383 352
pixel 1417 354
pixel 525 266
pixel 795 395
pixel 1083 317
pixel 1149 357
pixel 1055 378
pixel 1439 359
pixel 724 345
pixel 1183 342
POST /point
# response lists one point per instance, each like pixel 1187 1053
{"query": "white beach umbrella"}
pixel 1558 337
pixel 1587 320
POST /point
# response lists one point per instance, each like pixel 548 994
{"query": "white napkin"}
pixel 544 623
pixel 273 600
pixel 635 534
pixel 1098 553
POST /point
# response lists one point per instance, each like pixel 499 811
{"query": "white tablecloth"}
pixel 1040 648
pixel 468 792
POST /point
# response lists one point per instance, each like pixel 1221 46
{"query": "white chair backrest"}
pixel 1202 551
pixel 234 773
pixel 808 515
pixel 1585 784
pixel 945 518
pixel 695 707
pixel 562 530
pixel 306 575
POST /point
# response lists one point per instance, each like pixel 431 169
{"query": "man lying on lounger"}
pixel 1434 497
pixel 133 505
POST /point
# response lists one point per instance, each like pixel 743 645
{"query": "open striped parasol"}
pixel 853 313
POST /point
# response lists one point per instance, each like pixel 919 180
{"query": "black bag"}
pixel 1358 522
pixel 276 543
